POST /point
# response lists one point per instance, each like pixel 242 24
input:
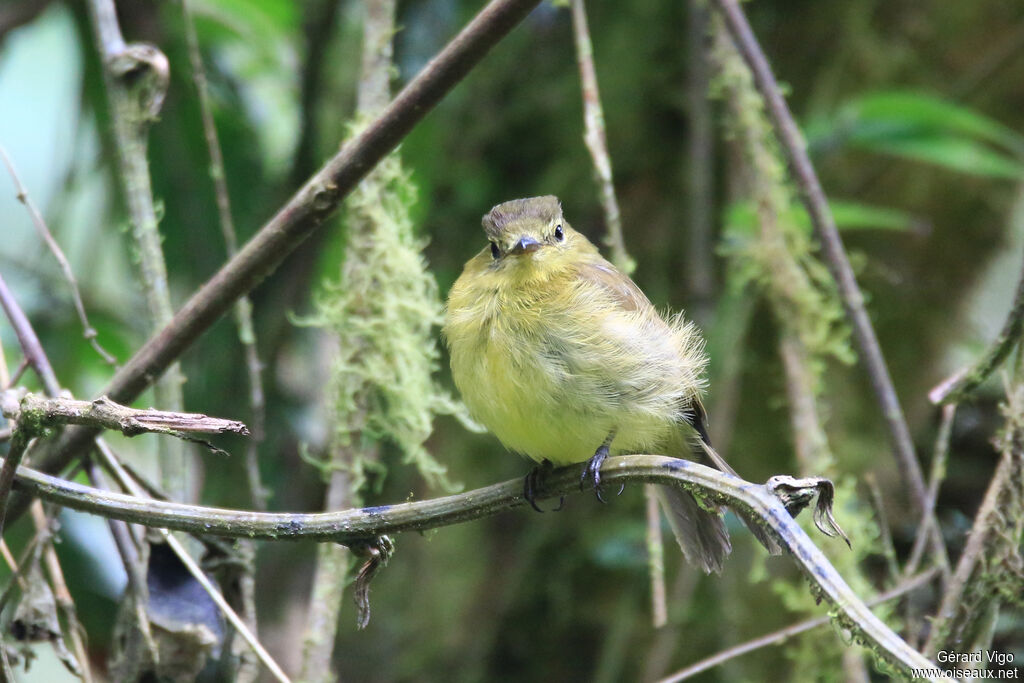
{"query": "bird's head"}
pixel 529 233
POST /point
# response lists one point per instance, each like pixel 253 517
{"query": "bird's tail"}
pixel 701 533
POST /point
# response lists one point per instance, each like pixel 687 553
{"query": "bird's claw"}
pixel 532 484
pixel 592 472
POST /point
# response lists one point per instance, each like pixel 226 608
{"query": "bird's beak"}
pixel 525 245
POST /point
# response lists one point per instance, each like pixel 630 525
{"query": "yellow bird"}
pixel 565 360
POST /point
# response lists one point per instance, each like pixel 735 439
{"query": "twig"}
pixel 18 372
pixel 128 547
pixel 356 526
pixel 102 413
pixel 15 452
pixel 302 214
pixel 28 340
pixel 44 232
pixel 884 528
pixel 993 544
pixel 699 164
pixel 223 605
pixel 655 558
pixel 955 388
pixel 138 493
pixel 5 377
pixel 596 139
pixel 936 475
pixel 332 566
pixel 136 76
pixel 243 307
pixel 62 595
pixel 784 634
pixel 832 247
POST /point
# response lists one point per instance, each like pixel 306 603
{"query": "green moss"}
pixel 383 309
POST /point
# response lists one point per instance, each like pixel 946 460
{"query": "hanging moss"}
pixel 383 310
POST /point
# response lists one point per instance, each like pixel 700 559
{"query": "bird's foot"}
pixel 592 471
pixel 533 483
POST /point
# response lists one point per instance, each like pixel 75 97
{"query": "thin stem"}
pixel 128 484
pixel 28 341
pixel 62 595
pixel 15 452
pixel 44 232
pixel 356 526
pixel 596 138
pixel 784 634
pixel 136 78
pixel 993 545
pixel 832 247
pixel 655 558
pixel 302 214
pixel 935 478
pixel 699 163
pixel 243 307
pixel 955 388
pixel 332 567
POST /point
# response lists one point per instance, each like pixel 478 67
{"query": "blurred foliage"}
pixel 913 112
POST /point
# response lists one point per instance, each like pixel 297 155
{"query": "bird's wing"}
pixel 622 290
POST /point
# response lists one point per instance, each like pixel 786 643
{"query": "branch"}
pixel 355 527
pixel 784 634
pixel 305 212
pixel 832 247
pixel 102 413
pixel 88 331
pixel 596 139
pixel 955 388
pixel 29 342
pixel 136 78
pixel 243 307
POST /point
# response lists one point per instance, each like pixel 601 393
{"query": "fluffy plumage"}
pixel 554 349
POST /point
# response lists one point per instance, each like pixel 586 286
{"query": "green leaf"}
pixel 741 218
pixel 923 128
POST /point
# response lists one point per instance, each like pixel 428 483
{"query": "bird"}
pixel 565 360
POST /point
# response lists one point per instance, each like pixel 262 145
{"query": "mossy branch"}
pixel 355 527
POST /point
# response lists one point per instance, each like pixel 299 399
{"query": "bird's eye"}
pixel 559 235
pixel 495 252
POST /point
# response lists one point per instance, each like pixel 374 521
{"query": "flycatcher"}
pixel 565 360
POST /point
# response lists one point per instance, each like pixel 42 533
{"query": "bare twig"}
pixel 304 212
pixel 357 526
pixel 596 139
pixel 332 567
pixel 136 76
pixel 28 341
pixel 44 232
pixel 102 413
pixel 700 163
pixel 243 307
pixel 15 452
pixel 62 595
pixel 955 388
pixel 784 634
pixel 935 478
pixel 655 558
pixel 993 546
pixel 832 247
pixel 138 493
